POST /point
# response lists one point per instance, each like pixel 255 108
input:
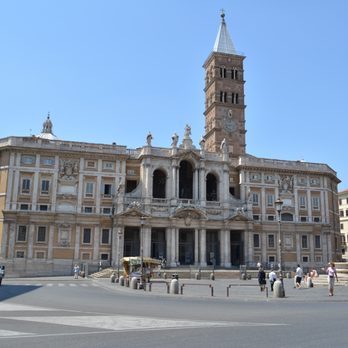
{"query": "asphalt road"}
pixel 62 312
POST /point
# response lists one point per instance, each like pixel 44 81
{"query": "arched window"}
pixel 211 188
pixel 185 180
pixel 159 184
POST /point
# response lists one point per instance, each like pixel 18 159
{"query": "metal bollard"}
pixel 174 286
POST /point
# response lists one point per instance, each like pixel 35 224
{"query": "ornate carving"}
pixel 68 169
pixel 286 184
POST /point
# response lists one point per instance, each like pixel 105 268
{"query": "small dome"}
pixel 47 132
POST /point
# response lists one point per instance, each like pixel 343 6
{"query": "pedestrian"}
pixel 331 275
pixel 298 276
pixel 272 278
pixel 2 273
pixel 261 278
pixel 76 270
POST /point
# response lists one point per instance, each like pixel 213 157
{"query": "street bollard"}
pixel 121 280
pixel 113 278
pixel 174 286
pixel 278 289
pixel 197 276
pixel 309 282
pixel 165 275
pixel 212 276
pixel 134 283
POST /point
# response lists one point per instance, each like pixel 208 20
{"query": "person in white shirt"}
pixel 272 278
pixel 298 276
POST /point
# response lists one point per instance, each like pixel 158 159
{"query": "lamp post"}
pixel 278 206
pixel 142 222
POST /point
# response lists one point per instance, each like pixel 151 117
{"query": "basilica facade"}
pixel 65 202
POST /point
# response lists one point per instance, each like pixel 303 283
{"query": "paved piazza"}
pixel 56 312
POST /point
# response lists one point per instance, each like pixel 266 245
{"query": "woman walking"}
pixel 331 275
pixel 261 278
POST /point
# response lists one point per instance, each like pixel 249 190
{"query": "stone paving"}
pixel 238 290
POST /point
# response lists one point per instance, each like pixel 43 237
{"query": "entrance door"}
pixel 131 241
pixel 213 248
pixel 158 243
pixel 237 257
pixel 186 247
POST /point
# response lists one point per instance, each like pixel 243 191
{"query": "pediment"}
pixel 134 209
pixel 239 215
pixel 189 155
pixel 189 212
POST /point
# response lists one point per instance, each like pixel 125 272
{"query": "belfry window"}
pixel 185 180
pixel 234 74
pixel 235 98
pixel 159 184
pixel 211 187
pixel 223 72
pixel 223 97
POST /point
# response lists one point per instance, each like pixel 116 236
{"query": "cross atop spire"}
pixel 223 42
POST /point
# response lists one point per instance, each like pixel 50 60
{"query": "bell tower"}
pixel 224 96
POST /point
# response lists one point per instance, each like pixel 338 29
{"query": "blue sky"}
pixel 111 71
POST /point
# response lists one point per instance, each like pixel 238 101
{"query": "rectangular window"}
pixel 41 234
pixel 255 199
pixel 302 201
pixel 342 227
pixel 271 240
pixel 104 257
pixel 108 165
pixel 304 242
pixel 340 201
pixel 347 212
pixel 305 259
pixel 347 200
pixel 107 211
pixel 40 255
pixel 316 218
pixel 43 207
pixel 315 203
pixel 24 207
pixel 47 161
pixel 27 159
pixel 22 234
pixel 303 219
pixel 87 236
pixel 26 186
pixel 256 240
pixel 256 217
pixel 107 190
pixel 317 242
pixel 20 254
pixel 90 164
pixel 270 217
pixel 88 210
pixel 341 213
pixel 45 186
pixel 270 200
pixel 271 259
pixel 105 236
pixel 89 189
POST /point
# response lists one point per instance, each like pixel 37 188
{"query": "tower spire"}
pixel 223 42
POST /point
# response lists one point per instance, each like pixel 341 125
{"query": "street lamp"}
pixel 142 222
pixel 278 205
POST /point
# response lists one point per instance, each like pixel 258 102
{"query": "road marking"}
pixel 72 285
pixel 61 284
pixel 126 323
pixel 18 307
pixel 8 333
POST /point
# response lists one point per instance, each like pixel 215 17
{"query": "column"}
pixel 11 241
pixel 311 248
pixel 80 187
pixel 263 204
pixel 197 247
pixel 10 180
pixel 309 206
pixel 30 241
pixel 297 212
pixel 174 181
pixel 264 246
pixel 98 189
pixel 55 184
pixel 195 185
pixel 202 185
pixel 227 248
pixel 146 239
pixel 203 248
pixel 50 242
pixel 77 242
pixel 298 248
pixel 96 243
pixel 322 207
pixel 17 186
pixel 4 238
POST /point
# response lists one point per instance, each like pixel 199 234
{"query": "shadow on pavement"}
pixel 9 291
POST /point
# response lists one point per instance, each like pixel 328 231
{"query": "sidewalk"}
pixel 239 290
